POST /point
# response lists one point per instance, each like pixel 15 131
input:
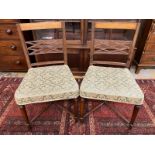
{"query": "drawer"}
pixel 12 63
pixel 9 20
pixel 8 31
pixel 148 59
pixel 10 47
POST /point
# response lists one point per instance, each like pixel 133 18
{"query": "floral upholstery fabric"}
pixel 44 84
pixel 111 84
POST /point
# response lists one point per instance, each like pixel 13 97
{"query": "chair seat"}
pixel 44 84
pixel 111 84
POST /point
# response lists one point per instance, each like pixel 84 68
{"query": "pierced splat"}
pixel 111 47
pixel 38 47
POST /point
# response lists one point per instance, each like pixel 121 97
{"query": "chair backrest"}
pixel 42 47
pixel 113 47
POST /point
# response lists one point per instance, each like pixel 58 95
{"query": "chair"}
pixel 45 81
pixel 111 84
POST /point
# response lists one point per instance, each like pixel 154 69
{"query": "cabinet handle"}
pixel 13 47
pixel 9 31
pixel 18 62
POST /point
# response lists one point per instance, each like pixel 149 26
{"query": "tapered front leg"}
pixel 134 115
pixel 82 108
pixel 23 111
pixel 76 109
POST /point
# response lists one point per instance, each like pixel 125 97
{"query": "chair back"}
pixel 110 48
pixel 43 47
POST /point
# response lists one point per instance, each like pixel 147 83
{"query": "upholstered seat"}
pixel 111 84
pixel 44 84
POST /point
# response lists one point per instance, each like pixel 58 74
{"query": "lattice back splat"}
pixel 43 47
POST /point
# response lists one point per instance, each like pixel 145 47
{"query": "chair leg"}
pixel 137 69
pixel 82 109
pixel 23 110
pixel 134 115
pixel 76 108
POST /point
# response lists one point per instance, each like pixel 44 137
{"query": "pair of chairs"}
pixel 53 81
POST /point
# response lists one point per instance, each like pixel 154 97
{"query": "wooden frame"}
pixel 28 121
pixel 43 46
pixel 40 47
pixel 129 124
pixel 117 46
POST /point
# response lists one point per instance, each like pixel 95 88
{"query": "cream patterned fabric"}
pixel 44 84
pixel 111 84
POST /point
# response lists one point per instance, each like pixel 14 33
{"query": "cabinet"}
pixel 11 53
pixel 145 56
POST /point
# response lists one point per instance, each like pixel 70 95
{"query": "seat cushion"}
pixel 111 84
pixel 44 84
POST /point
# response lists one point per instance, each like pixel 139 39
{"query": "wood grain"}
pixel 116 25
pixel 40 26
